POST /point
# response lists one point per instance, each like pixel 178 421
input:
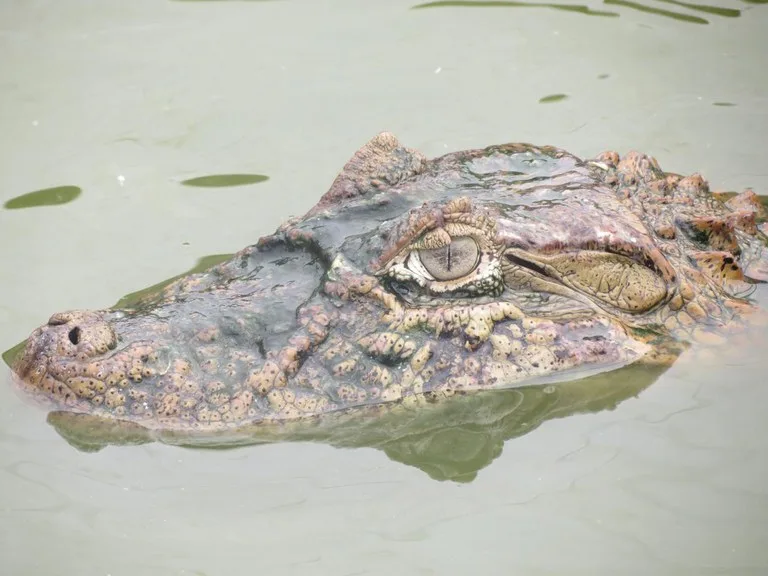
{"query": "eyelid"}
pixel 433 240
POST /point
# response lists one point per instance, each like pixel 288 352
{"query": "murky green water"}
pixel 145 130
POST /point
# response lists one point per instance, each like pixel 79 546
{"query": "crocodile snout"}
pixel 69 345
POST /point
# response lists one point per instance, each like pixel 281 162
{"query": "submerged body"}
pixel 413 280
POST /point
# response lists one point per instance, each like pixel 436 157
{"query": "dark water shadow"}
pixel 724 104
pixel 46 197
pixel 225 180
pixel 553 98
pixel 581 9
pixel 451 440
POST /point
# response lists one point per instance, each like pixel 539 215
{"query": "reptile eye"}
pixel 452 261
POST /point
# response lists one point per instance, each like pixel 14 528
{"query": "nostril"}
pixel 74 335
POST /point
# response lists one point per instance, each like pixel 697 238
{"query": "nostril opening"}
pixel 74 335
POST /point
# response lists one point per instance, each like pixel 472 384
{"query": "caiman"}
pixel 413 280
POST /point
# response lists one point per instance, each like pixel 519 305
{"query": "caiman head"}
pixel 413 280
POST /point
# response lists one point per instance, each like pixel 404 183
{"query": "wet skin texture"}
pixel 413 280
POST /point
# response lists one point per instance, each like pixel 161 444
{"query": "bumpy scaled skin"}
pixel 412 280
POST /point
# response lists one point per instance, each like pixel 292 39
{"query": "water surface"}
pixel 130 100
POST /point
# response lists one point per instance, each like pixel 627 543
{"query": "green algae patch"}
pixel 553 98
pixel 581 9
pixel 225 180
pixel 45 197
pixel 715 10
pixel 657 11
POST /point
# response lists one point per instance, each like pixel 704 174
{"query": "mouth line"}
pixel 639 256
pixel 527 264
